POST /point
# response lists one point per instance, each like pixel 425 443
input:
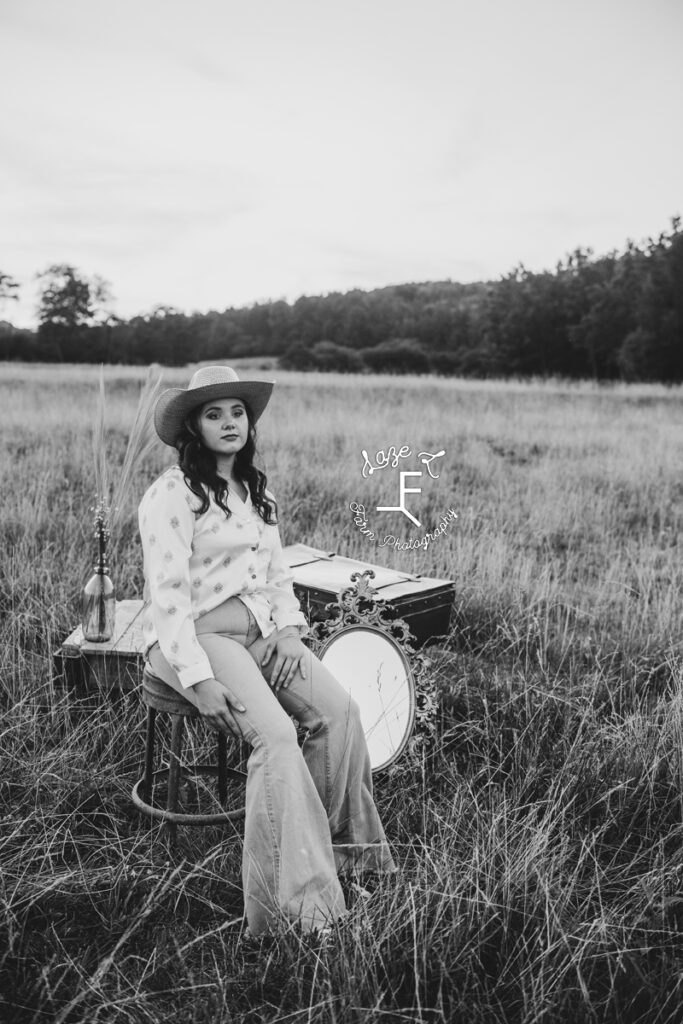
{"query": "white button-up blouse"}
pixel 194 563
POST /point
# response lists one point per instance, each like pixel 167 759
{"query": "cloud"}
pixel 218 153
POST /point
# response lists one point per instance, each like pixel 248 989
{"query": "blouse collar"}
pixel 235 503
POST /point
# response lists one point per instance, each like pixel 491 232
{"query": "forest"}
pixel 600 317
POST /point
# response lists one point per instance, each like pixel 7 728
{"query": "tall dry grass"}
pixel 539 843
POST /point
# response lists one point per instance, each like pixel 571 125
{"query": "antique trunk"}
pixel 423 602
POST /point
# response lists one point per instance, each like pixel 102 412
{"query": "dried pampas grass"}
pixel 113 489
pixel 142 440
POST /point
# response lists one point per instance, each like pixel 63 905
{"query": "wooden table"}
pixel 114 665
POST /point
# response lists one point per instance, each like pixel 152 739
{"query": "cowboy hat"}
pixel 210 382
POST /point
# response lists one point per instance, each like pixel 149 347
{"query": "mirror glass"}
pixel 373 669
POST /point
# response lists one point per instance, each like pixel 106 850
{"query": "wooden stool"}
pixel 159 697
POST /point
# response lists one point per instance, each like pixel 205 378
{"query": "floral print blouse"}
pixel 194 563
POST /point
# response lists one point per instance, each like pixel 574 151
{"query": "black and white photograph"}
pixel 341 519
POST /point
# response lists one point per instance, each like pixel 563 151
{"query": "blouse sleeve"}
pixel 166 530
pixel 279 589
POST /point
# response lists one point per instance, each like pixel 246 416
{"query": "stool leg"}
pixel 149 755
pixel 222 767
pixel 174 773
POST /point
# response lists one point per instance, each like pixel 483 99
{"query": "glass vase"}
pixel 99 607
pixel 99 600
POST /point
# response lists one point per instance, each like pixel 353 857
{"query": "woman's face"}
pixel 224 426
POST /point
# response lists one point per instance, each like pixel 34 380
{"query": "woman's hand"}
pixel 289 655
pixel 216 704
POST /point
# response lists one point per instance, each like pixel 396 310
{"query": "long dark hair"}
pixel 201 476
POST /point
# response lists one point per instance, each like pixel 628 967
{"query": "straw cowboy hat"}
pixel 174 406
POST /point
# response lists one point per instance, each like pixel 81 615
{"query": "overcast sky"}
pixel 209 153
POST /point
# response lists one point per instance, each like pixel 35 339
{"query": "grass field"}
pixel 540 843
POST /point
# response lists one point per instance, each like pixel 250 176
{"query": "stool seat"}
pixel 159 695
pixel 161 698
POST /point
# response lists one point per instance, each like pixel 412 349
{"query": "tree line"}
pixel 619 315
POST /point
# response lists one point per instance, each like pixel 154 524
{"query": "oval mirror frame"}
pixel 359 605
pixel 397 721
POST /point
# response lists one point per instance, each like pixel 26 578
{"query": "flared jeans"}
pixel 310 813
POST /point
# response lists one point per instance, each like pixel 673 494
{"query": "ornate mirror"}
pixel 375 672
pixel 371 655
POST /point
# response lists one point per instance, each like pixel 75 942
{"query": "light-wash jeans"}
pixel 310 811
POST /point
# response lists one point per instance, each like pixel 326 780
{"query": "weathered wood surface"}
pixel 127 638
pixel 113 665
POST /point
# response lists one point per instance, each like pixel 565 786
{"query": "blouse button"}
pixel 253 575
pixel 253 547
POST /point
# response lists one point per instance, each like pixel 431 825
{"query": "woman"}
pixel 223 627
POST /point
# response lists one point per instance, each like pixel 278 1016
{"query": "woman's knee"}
pixel 353 716
pixel 344 707
pixel 344 717
pixel 353 711
pixel 277 734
